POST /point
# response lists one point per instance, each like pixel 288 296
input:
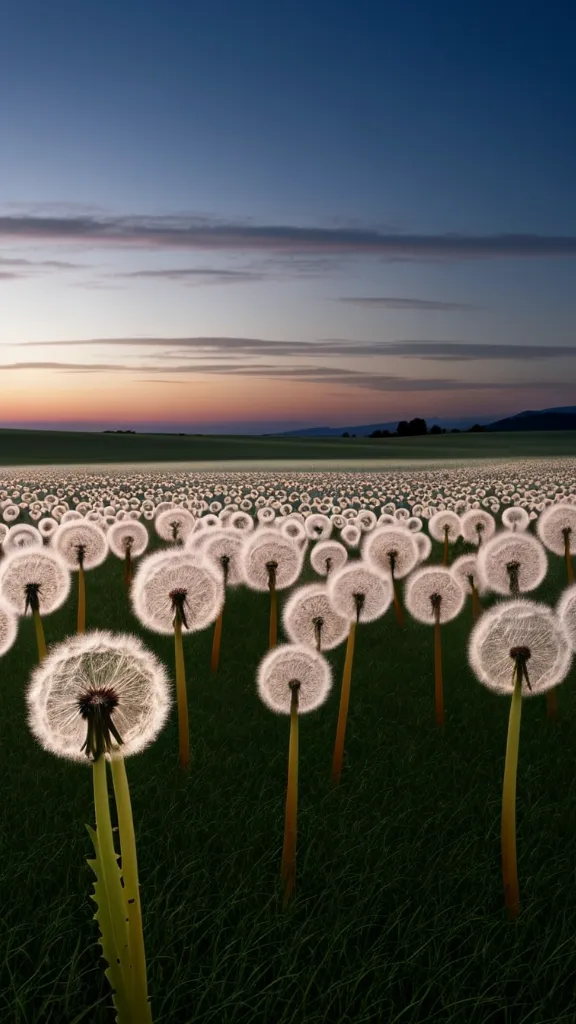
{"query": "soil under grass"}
pixel 398 914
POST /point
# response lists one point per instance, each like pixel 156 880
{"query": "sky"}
pixel 250 216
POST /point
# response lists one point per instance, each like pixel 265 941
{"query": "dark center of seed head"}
pixel 128 542
pixel 294 687
pixel 178 598
pixel 318 622
pixel 359 600
pixel 392 557
pixel 512 569
pixel 96 707
pixel 80 554
pixel 521 655
pixel 436 601
pixel 271 567
pixel 31 592
pixel 225 563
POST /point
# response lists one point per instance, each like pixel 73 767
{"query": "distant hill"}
pixel 367 428
pixel 563 418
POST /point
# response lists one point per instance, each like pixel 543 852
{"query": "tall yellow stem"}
pixel 127 568
pixel 569 566
pixel 181 696
pixel 509 865
pixel 288 866
pixel 438 687
pixel 273 627
pixel 216 641
pixel 476 606
pixel 445 558
pixel 344 702
pixel 397 605
pixel 40 641
pixel 141 1005
pixel 81 621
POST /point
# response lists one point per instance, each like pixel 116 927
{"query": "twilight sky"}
pixel 246 216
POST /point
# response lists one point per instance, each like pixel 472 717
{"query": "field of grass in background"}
pixel 398 913
pixel 52 447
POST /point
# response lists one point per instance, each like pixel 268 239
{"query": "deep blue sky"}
pixel 412 122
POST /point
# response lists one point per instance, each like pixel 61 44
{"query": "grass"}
pixel 398 913
pixel 51 447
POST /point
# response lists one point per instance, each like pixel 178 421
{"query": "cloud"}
pixel 226 347
pixel 397 303
pixel 210 234
pixel 307 374
pixel 21 269
pixel 192 276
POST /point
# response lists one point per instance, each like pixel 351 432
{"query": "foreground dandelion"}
pixel 292 679
pixel 445 526
pixel 465 570
pixel 82 545
pixel 433 596
pixel 173 590
pixel 271 562
pixel 358 594
pixel 101 697
pixel 394 552
pixel 224 549
pixel 518 648
pixel 128 539
pixel 310 618
pixel 36 582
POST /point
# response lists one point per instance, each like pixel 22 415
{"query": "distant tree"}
pixel 345 434
pixel 476 429
pixel 417 427
pixel 402 428
pixel 435 429
pixel 380 433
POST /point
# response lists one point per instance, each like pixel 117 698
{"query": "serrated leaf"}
pixel 103 917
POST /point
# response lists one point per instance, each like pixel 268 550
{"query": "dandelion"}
pixel 8 628
pixel 358 594
pixel 515 518
pixel 128 539
pixel 351 535
pixel 445 526
pixel 477 526
pixel 310 618
pixel 556 528
pixel 46 527
pixel 223 549
pixel 292 679
pixel 424 545
pixel 512 563
pixel 34 582
pixel 465 570
pixel 518 648
pixel 318 526
pixel 271 562
pixel 82 545
pixel 433 596
pixel 4 530
pixel 394 552
pixel 174 524
pixel 22 536
pixel 101 697
pixel 173 590
pixel 328 556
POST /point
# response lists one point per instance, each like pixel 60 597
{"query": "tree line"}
pixel 417 428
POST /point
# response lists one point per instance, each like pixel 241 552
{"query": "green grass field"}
pixel 46 447
pixel 398 914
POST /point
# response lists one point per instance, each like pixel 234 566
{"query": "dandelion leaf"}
pixel 113 971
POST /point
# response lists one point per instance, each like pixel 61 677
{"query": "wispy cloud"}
pixel 195 276
pixel 398 303
pixel 226 347
pixel 211 234
pixel 19 268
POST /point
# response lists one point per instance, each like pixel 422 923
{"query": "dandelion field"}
pixel 398 911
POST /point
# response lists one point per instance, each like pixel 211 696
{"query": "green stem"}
pixel 81 621
pixel 40 641
pixel 288 867
pixel 509 864
pixel 140 1003
pixel 181 695
pixel 344 702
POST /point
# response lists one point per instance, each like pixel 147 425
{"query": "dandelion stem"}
pixel 397 605
pixel 181 696
pixel 569 566
pixel 344 702
pixel 509 865
pixel 141 1006
pixel 273 628
pixel 81 621
pixel 216 640
pixel 120 970
pixel 288 866
pixel 438 687
pixel 476 606
pixel 445 556
pixel 40 641
pixel 128 566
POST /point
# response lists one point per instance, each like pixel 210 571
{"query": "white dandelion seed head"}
pixel 128 533
pixel 293 663
pixel 551 524
pixel 47 526
pixel 224 550
pixel 270 547
pixel 266 515
pixel 92 661
pixel 414 524
pixel 366 520
pixel 39 566
pixel 174 524
pixel 309 614
pixel 160 574
pixel 424 586
pixel 10 513
pixel 566 612
pixel 464 569
pixel 295 530
pixel 521 551
pixel 70 515
pixel 4 531
pixel 515 518
pixel 71 539
pixel 351 535
pixel 424 545
pixel 22 536
pixel 359 579
pixel 391 550
pixel 510 625
pixel 318 526
pixel 442 521
pixel 242 521
pixel 477 526
pixel 327 556
pixel 8 627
